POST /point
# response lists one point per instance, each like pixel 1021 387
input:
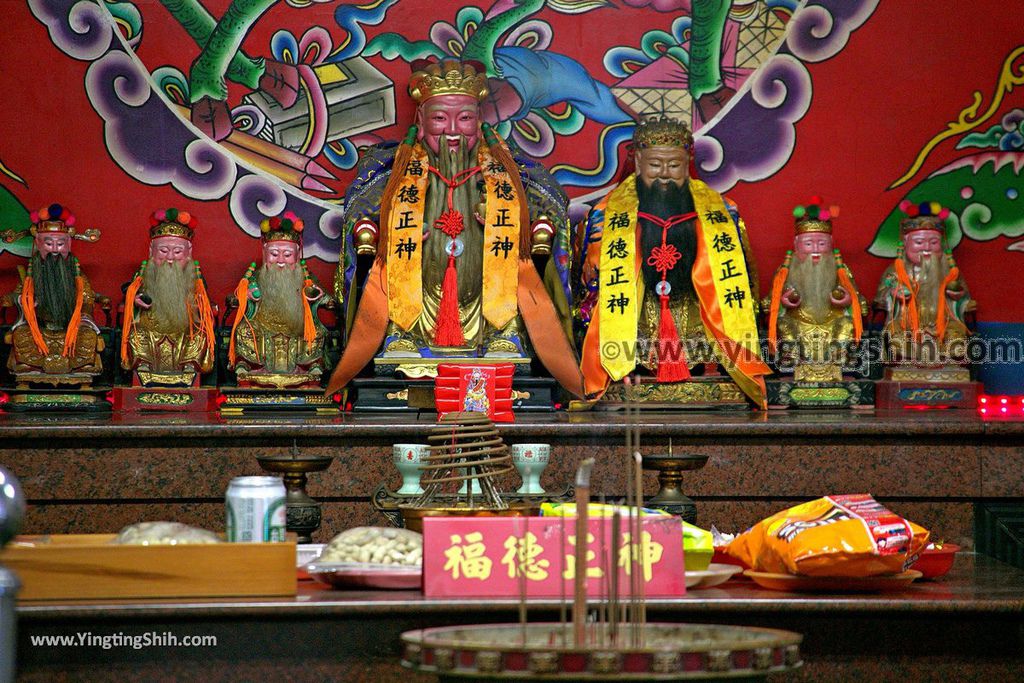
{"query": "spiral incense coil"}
pixel 465 447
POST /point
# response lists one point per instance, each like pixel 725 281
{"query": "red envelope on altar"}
pixel 464 388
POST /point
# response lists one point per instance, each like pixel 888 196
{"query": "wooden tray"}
pixel 89 567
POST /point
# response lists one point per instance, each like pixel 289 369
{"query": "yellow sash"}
pixel 405 242
pixel 719 236
pixel 620 287
pixel 500 244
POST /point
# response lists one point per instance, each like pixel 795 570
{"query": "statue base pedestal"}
pixel 57 400
pixel 911 386
pixel 529 394
pixel 249 400
pixel 891 395
pixel 165 399
pixel 699 393
pixel 846 393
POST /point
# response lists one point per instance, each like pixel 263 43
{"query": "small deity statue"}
pixel 676 287
pixel 167 332
pixel 277 340
pixel 923 294
pixel 815 310
pixel 55 340
pixel 453 219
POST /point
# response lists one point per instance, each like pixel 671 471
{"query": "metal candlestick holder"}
pixel 303 512
pixel 670 467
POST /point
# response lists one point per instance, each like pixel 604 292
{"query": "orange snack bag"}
pixel 849 535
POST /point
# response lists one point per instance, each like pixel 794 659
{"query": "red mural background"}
pixel 904 75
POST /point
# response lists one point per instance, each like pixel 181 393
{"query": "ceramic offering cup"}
pixel 407 458
pixel 530 459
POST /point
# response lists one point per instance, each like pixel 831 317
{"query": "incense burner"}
pixel 670 467
pixel 621 652
pixel 303 511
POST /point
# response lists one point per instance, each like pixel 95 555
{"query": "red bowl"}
pixel 935 562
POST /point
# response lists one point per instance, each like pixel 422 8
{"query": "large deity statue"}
pixel 815 310
pixel 453 220
pixel 277 340
pixel 167 331
pixel 55 341
pixel 923 294
pixel 676 283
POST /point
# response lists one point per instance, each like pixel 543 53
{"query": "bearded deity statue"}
pixel 54 340
pixel 167 337
pixel 815 310
pixel 277 339
pixel 673 282
pixel 924 296
pixel 453 218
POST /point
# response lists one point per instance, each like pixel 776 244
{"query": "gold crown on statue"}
pixel 923 216
pixel 172 223
pixel 662 132
pixel 814 217
pixel 284 228
pixel 53 218
pixel 448 77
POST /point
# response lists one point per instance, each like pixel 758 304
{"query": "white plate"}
pixel 712 576
pixel 356 575
pixel 307 552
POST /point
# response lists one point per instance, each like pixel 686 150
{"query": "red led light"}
pixel 221 398
pixel 984 411
pixel 983 400
pixel 1003 400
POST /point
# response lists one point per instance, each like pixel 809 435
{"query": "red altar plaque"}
pixel 491 557
pixel 463 388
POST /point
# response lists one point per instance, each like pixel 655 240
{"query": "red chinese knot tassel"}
pixel 448 330
pixel 672 365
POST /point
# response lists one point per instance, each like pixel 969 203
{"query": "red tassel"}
pixel 672 366
pixel 448 330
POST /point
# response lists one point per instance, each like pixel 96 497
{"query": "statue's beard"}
pixel 54 281
pixel 814 283
pixel 930 273
pixel 664 200
pixel 466 196
pixel 170 286
pixel 282 296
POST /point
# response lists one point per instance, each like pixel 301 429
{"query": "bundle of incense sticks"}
pixel 614 617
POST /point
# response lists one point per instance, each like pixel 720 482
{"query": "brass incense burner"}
pixel 303 512
pixel 670 467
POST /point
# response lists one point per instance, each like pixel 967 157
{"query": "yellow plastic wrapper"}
pixel 849 536
pixel 698 547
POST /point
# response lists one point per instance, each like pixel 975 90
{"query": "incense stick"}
pixel 613 597
pixel 642 602
pixel 630 614
pixel 602 606
pixel 523 552
pixel 562 616
pixel 579 606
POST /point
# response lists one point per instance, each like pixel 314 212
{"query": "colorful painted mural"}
pixel 979 179
pixel 241 109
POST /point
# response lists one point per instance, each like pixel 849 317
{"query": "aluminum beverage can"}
pixel 256 509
